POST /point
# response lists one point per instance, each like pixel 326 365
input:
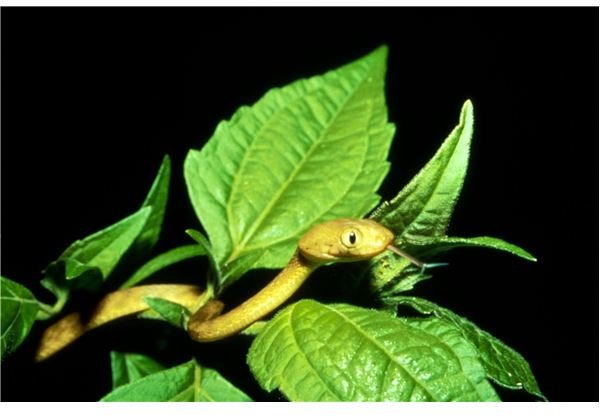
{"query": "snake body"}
pixel 275 293
pixel 341 240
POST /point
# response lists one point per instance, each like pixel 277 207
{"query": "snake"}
pixel 340 240
pixel 334 241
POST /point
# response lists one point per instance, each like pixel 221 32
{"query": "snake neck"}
pixel 297 270
pixel 275 293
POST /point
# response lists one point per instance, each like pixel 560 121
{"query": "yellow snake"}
pixel 342 240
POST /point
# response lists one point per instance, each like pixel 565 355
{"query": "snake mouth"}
pixel 411 258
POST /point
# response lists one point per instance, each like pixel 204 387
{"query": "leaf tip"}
pixel 191 233
pixel 166 161
pixel 200 239
pixel 380 55
pixel 377 56
pixel 382 50
pixel 522 253
pixel 467 112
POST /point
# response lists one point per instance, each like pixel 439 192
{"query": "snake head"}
pixel 345 240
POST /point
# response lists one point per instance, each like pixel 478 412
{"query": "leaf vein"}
pixel 306 358
pixel 298 168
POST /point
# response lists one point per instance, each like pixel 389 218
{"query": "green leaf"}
pixel 58 286
pixel 129 367
pixel 156 199
pixel 255 328
pixel 420 214
pixel 391 276
pixel 186 382
pixel 215 275
pixel 425 205
pixel 91 260
pixel 311 151
pixel 88 262
pixel 314 352
pixel 404 281
pixel 429 247
pixel 174 313
pixel 162 261
pixel 19 309
pixel 423 208
pixel 503 364
pixel 452 337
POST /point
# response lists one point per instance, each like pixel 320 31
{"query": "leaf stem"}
pixel 47 311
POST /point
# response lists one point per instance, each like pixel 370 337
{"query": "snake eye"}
pixel 350 238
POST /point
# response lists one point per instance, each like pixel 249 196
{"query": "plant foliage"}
pixel 19 309
pixel 308 152
pixel 186 382
pixel 258 184
pixel 317 352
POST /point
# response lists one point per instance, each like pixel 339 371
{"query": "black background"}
pixel 93 98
